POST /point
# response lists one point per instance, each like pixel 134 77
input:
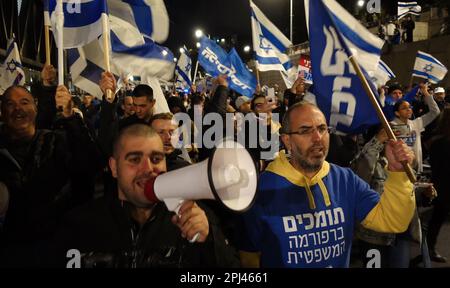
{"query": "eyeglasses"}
pixel 308 131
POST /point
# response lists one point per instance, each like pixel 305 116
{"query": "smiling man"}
pixel 129 231
pixel 40 169
pixel 306 208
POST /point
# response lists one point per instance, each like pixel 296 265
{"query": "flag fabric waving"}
pixel 149 16
pixel 183 72
pixel 335 35
pixel 428 67
pixel 382 75
pixel 82 20
pixel 11 71
pixel 405 8
pixel 216 61
pixel 270 46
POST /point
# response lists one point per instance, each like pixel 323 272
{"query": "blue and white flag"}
pixel 216 61
pixel 183 72
pixel 428 67
pixel 86 66
pixel 270 46
pixel 82 21
pixel 405 8
pixel 244 75
pixel 131 55
pixel 382 75
pixel 149 16
pixel 334 36
pixel 11 71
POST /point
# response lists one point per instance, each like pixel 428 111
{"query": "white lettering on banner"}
pixel 316 255
pixel 230 72
pixel 308 220
pixel 74 6
pixel 318 246
pixel 373 6
pixel 333 48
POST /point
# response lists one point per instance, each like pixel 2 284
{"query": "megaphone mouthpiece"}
pixel 149 191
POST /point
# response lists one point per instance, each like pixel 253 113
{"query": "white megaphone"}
pixel 228 176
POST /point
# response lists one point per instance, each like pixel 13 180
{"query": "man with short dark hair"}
pixel 306 208
pixel 143 102
pixel 130 231
pixel 395 93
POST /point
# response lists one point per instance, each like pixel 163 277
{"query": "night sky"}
pixel 225 18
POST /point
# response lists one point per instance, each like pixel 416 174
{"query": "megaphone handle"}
pixel 175 205
pixel 195 238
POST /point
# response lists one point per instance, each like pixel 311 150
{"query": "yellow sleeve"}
pixel 397 204
pixel 249 259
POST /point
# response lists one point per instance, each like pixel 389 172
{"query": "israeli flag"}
pixel 11 71
pixel 428 67
pixel 131 55
pixel 183 72
pixel 86 66
pixel 149 16
pixel 334 36
pixel 134 54
pixel 82 20
pixel 382 75
pixel 405 8
pixel 270 46
pixel 216 61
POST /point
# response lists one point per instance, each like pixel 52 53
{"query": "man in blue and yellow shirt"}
pixel 306 208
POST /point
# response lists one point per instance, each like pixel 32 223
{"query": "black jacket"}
pixel 45 96
pixel 106 236
pixel 49 175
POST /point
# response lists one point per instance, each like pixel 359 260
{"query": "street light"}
pixel 247 49
pixel 175 59
pixel 361 3
pixel 198 33
pixel 181 50
pixel 222 40
pixel 198 44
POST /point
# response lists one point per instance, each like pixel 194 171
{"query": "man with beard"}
pixel 130 231
pixel 306 208
pixel 166 127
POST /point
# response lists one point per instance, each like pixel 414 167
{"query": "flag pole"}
pixel 195 72
pixel 291 20
pixel 106 43
pixel 47 44
pixel 60 24
pixel 257 76
pixel 380 114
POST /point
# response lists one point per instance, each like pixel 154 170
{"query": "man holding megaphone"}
pixel 132 231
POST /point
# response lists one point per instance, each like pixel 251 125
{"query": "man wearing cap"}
pixel 439 97
pixel 243 104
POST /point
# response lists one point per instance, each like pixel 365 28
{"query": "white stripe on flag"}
pixel 365 46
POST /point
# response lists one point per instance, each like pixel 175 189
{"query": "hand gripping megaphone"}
pixel 228 176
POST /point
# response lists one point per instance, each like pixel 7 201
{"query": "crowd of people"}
pixel 73 173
